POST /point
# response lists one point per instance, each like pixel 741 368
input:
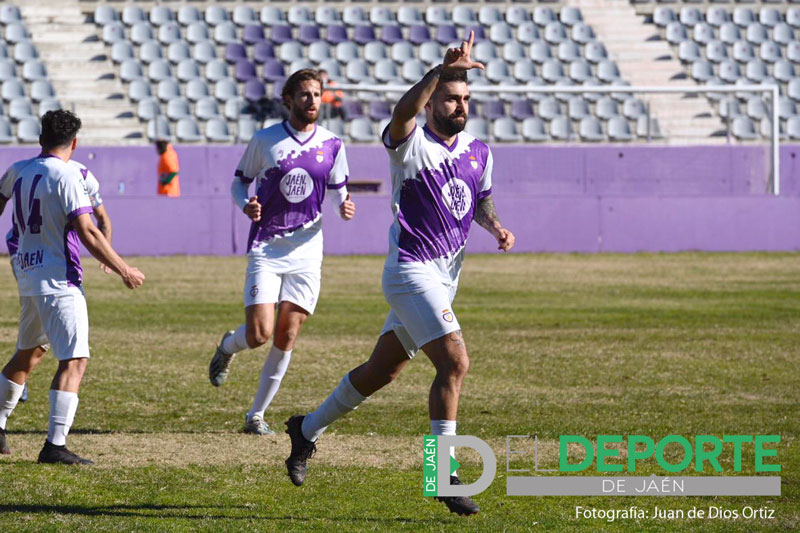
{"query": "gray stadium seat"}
pixel 326 16
pixel 8 70
pixel 619 130
pixel 187 130
pixel 225 89
pixel 555 33
pixel 169 33
pixel 178 51
pixel 354 16
pixel 591 82
pixel 783 71
pixel 20 109
pixel 121 51
pixel 689 16
pixel 743 51
pixel 689 51
pixel 336 126
pixel 756 70
pixel 793 17
pixel 271 15
pixel 375 51
pixel 42 90
pixel 386 71
pixel 524 70
pixel 793 128
pixel 577 108
pixel 676 32
pixel 130 69
pixel 783 34
pixel 431 53
pixel 16 32
pixel 139 89
pixel 204 51
pixel 158 70
pixel 533 130
pixel 437 16
pixel 561 129
pixel 580 70
pixel 488 15
pixel 478 128
pixel 743 128
pixel 504 129
pixel 348 51
pixel 331 66
pixel 729 107
pixel 319 51
pixel 235 108
pixel 188 69
pixel 744 16
pixel 568 51
pixel 497 71
pixel 160 15
pixel 206 108
pixel 729 71
pixel 149 51
pixel 570 15
pixel 6 133
pixel 702 70
pixel 225 33
pixel 717 16
pixel 516 16
pixel 756 108
pixel 381 16
pixel 769 51
pixel 299 64
pixel 402 51
pixel 215 15
pixel 409 16
pixel 245 128
pixel 178 108
pixel 299 15
pixel 702 33
pixel 552 70
pixel 549 108
pixel 105 14
pixel 51 104
pixel 113 32
pixel 290 51
pixel 607 108
pixel 500 33
pixel 29 130
pixel 582 33
pixel 24 50
pixel 663 16
pixel 167 89
pixel 756 33
pixel 413 70
pixel 188 15
pixel 543 15
pixel 786 107
pixel 484 51
pixel 595 52
pixel 793 89
pixel 217 131
pixel 362 130
pixel 607 70
pixel 142 32
pixel 357 70
pixel 147 109
pixel 633 108
pixel 590 129
pixel 769 16
pixel 197 32
pixel 198 88
pixel 244 15
pixel 716 51
pixel 132 15
pixel 527 33
pixel 729 33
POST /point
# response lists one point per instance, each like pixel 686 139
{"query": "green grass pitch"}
pixel 560 344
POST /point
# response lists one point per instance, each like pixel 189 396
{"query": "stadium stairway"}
pixel 650 62
pixel 80 72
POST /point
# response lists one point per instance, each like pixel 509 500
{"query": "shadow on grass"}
pixel 174 511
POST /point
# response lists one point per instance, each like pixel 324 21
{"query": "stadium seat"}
pixel 533 129
pixel 252 34
pixel 16 32
pixel 690 16
pixel 570 16
pixel 595 52
pixel 716 51
pixel 756 108
pixel 169 33
pixel 20 109
pixel 743 128
pixel 271 15
pixel 147 109
pixel 555 33
pixel 386 71
pixel 729 33
pixel 178 108
pixel 793 89
pixel 431 53
pixel 769 51
pixel 281 33
pixel 6 132
pixel 287 52
pixel 8 70
pixel 346 52
pixel 729 107
pixel 319 51
pixel 663 16
pixel 217 131
pixel 478 128
pixel 375 51
pixel 437 16
pixel 50 104
pixel 729 71
pixel 402 52
pixel 786 107
pixel 577 108
pixel 273 70
pixel 756 33
pixel 362 130
pixel 549 108
pixel 756 71
pixel 363 34
pixel 500 33
pixel 308 33
pixel 527 33
pixel 702 70
pixel 29 130
pixel 484 52
pixel 543 15
pixel 744 16
pixel 607 71
pixel 702 33
pixel 633 108
pixel 204 51
pixel 354 16
pixel 743 51
pixel 590 129
pixel 235 52
pixel 113 32
pixel 167 89
pixel 582 33
pixel 619 130
pixel 607 108
pixel 413 70
pixel 187 130
pixel 326 16
pixel 783 71
pixel 42 90
pixel 160 15
pixel 198 88
pixel 188 69
pixel 561 129
pixel 142 32
pixel 357 70
pixel 717 16
pixel 197 32
pixel 381 16
pixel 226 33
pixel 689 52
pixel 783 34
pixel 149 51
pixel 651 128
pixel 409 16
pixel 524 70
pixel 769 16
pixel 392 34
pixel 178 51
pixel 254 90
pixel 552 70
pixel 419 35
pixel 675 33
pixel 188 15
pixel 216 15
pixel 244 15
pixel 465 16
pixel 515 16
pixel 132 15
pixel 105 14
pixel 568 51
pixel 138 90
pixel 793 128
pixel 245 128
pixel 23 51
pixel 504 129
pixel 580 70
pixel 130 69
pixel 158 70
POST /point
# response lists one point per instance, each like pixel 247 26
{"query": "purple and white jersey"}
pixel 292 170
pixel 7 186
pixel 435 189
pixel 47 196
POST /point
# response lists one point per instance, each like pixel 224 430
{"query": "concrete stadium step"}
pixel 649 62
pixel 83 76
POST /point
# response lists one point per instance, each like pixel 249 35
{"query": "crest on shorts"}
pixel 473 162
pixel 320 156
pixel 447 315
pixel 254 291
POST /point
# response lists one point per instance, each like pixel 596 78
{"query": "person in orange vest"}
pixel 168 181
pixel 331 99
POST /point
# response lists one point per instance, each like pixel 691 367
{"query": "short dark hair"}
pixel 457 75
pixel 161 145
pixel 59 128
pixel 294 81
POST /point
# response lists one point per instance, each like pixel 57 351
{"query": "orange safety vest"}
pixel 168 181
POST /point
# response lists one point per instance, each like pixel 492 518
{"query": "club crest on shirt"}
pixel 447 315
pixel 457 197
pixel 320 156
pixel 254 291
pixel 296 185
pixel 473 162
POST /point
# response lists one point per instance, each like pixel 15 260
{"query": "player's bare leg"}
pixel 386 362
pixel 12 383
pixel 291 318
pixel 63 405
pixel 449 355
pixel 256 331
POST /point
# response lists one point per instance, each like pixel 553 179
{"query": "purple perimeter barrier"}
pixel 555 199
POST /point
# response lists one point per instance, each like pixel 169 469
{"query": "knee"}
pixel 258 335
pixel 456 367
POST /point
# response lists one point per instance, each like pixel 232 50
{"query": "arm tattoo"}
pixel 486 213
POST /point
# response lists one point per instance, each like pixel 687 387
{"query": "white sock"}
pixel 63 405
pixel 236 342
pixel 445 427
pixel 9 397
pixel 271 375
pixel 343 399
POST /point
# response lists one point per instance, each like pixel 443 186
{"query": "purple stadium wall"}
pixel 555 199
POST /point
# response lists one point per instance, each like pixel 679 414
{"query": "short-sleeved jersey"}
pixel 7 185
pixel 292 171
pixel 48 195
pixel 435 189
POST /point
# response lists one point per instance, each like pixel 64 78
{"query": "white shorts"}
pixel 61 319
pixel 266 284
pixel 421 309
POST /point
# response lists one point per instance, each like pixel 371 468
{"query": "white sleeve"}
pixel 72 193
pixel 407 148
pixel 252 160
pixel 7 183
pixel 93 189
pixel 239 192
pixel 486 178
pixel 337 180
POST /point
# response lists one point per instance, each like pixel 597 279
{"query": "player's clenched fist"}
pixel 253 209
pixel 133 277
pixel 347 209
pixel 505 240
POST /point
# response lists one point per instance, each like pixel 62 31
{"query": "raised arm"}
pixel 414 100
pixel 486 217
pixel 94 241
